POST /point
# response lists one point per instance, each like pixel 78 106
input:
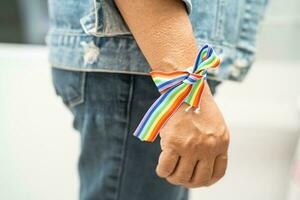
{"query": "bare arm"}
pixel 194 146
pixel 163 31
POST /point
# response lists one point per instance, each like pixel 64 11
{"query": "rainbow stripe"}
pixel 175 88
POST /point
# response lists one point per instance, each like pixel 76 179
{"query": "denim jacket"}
pixel 91 35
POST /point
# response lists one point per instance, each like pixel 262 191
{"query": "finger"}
pixel 220 167
pixel 183 171
pixel 167 162
pixel 202 174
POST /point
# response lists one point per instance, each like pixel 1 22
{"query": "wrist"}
pixel 178 59
pixel 207 95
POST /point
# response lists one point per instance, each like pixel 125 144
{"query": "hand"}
pixel 194 146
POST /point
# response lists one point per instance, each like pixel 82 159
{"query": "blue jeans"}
pixel 113 164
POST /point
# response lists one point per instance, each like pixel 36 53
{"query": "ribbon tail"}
pixel 194 98
pixel 160 111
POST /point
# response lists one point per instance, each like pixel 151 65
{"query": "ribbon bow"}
pixel 175 88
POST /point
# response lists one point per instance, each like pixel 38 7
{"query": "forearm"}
pixel 194 145
pixel 162 30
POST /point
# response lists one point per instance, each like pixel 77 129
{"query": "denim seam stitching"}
pixel 125 142
pixel 219 25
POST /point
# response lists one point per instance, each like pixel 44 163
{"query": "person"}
pixel 102 51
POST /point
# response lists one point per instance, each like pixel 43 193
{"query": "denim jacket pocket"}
pixel 104 20
pixel 69 85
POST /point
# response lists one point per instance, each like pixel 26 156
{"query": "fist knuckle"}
pixel 201 184
pixel 159 173
pixel 182 179
pixel 207 171
pixel 163 171
pixel 207 184
pixel 226 138
pixel 211 142
pixel 173 181
pixel 220 175
pixel 190 185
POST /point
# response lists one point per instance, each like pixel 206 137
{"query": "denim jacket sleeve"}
pixel 105 20
pixel 91 35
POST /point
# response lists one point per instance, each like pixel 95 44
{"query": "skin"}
pixel 194 146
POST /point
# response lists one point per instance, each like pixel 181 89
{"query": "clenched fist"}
pixel 194 146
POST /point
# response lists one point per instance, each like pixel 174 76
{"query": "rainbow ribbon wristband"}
pixel 175 88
